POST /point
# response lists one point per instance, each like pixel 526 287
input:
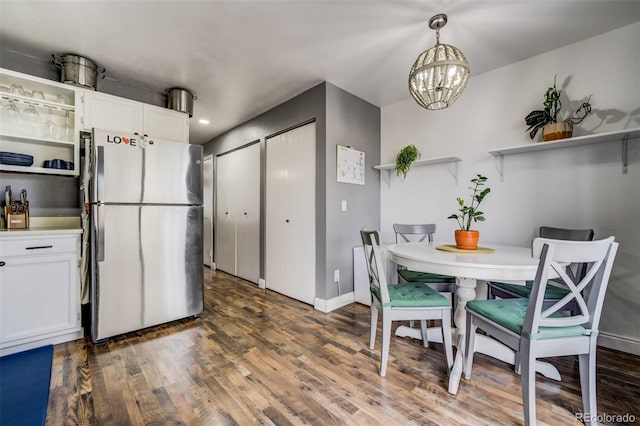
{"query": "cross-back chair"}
pixel 401 302
pixel 553 292
pixel 535 329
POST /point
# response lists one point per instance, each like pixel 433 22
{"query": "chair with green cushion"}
pixel 401 302
pixel 420 233
pixel 535 330
pixel 553 292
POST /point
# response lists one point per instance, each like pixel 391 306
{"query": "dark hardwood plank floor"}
pixel 262 358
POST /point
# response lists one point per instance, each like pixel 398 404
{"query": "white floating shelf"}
pixel 622 136
pixel 425 162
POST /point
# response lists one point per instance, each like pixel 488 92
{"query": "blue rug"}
pixel 24 386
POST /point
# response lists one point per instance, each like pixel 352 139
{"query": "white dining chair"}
pixel 401 302
pixel 535 330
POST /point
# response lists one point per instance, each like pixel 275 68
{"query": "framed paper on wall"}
pixel 350 165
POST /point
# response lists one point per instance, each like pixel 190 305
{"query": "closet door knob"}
pixel 287 220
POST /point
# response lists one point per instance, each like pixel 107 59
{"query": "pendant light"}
pixel 440 73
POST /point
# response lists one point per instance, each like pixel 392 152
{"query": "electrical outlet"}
pixel 336 275
pixel 343 205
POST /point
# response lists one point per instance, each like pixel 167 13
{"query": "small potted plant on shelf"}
pixel 405 158
pixel 466 238
pixel 547 119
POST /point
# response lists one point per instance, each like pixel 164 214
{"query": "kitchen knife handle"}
pixel 100 236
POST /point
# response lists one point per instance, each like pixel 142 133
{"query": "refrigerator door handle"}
pixel 100 237
pixel 100 172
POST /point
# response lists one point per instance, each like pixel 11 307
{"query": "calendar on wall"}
pixel 350 165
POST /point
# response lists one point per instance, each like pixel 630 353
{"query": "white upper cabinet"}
pixel 109 112
pixel 165 123
pixel 104 111
pixel 40 120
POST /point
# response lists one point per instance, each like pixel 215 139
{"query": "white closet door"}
pixel 225 231
pixel 207 217
pixel 276 206
pixel 248 212
pixel 290 209
pixel 301 241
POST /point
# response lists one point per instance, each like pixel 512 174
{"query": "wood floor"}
pixel 256 358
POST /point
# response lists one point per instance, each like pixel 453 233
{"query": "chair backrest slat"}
pixel 377 277
pixel 414 232
pixel 578 270
pixel 555 256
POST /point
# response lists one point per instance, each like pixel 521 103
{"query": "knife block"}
pixel 17 220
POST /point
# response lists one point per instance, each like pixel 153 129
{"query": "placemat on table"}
pixel 452 248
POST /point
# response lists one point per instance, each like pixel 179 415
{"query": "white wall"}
pixel 581 187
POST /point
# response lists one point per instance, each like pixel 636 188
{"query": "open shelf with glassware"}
pixel 39 120
pixel 623 136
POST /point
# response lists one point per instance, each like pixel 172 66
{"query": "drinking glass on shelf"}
pixel 16 89
pixel 61 99
pixel 29 118
pixel 66 131
pixel 10 116
pixel 38 94
pixel 50 129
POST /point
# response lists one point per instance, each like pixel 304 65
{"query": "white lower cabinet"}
pixel 39 291
pixel 104 111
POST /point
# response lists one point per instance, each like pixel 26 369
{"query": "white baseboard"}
pixel 335 303
pixel 622 344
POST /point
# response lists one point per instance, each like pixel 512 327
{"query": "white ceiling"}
pixel 242 58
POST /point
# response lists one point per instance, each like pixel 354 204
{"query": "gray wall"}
pixel 341 118
pixel 356 123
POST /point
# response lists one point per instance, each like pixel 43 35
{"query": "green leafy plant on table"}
pixel 470 213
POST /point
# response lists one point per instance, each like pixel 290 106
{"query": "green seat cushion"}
pixel 551 292
pixel 510 314
pixel 413 296
pixel 424 277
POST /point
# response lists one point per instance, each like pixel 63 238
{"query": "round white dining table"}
pixel 505 264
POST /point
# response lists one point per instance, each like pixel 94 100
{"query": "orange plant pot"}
pixel 552 132
pixel 467 240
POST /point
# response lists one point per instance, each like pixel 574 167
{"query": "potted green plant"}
pixel 404 159
pixel 466 238
pixel 547 119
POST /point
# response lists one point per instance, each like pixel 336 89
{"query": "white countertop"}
pixel 46 226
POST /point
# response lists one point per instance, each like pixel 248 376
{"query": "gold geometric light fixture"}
pixel 440 73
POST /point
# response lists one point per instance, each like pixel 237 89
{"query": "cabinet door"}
pixel 248 207
pixel 39 296
pixel 163 123
pixel 225 231
pixel 207 216
pixel 276 214
pixel 290 209
pixel 301 211
pixel 108 112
